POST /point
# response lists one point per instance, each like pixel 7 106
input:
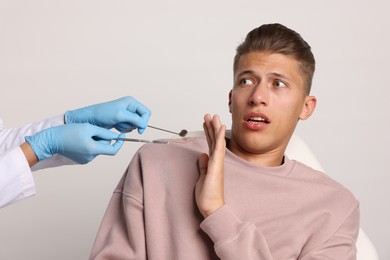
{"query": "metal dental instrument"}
pixel 182 133
pixel 142 140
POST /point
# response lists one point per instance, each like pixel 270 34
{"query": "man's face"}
pixel 267 100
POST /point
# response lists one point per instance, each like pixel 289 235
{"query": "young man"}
pixel 248 201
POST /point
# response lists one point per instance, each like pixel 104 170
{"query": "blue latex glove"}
pixel 79 142
pixel 124 114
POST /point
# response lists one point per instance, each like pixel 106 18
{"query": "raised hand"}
pixel 209 190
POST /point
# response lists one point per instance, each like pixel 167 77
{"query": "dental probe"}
pixel 141 140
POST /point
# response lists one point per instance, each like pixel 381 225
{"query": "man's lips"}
pixel 256 118
pixel 256 121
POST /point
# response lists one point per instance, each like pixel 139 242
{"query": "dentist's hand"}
pixel 124 114
pixel 209 191
pixel 79 142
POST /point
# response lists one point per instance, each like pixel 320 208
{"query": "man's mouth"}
pixel 257 119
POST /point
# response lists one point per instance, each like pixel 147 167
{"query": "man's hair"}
pixel 277 38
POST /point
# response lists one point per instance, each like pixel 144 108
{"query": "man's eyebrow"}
pixel 245 72
pixel 273 74
pixel 279 75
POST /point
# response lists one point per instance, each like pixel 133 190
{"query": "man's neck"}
pixel 269 159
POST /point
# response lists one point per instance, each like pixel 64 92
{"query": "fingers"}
pixel 138 108
pixel 220 144
pixel 101 135
pixel 203 161
pixel 128 121
pixel 215 132
pixel 117 145
pixel 124 114
pixel 125 127
pixel 209 190
pixel 207 130
pixel 108 149
pixel 144 113
pixel 140 112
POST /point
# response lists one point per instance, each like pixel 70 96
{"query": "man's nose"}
pixel 260 95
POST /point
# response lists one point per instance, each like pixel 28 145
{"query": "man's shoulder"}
pixel 319 178
pixel 176 146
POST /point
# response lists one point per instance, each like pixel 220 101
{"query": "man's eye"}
pixel 246 82
pixel 280 84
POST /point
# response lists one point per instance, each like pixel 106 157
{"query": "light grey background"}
pixel 176 57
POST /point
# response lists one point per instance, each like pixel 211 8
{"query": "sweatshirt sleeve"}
pixel 234 239
pixel 121 234
pixel 341 245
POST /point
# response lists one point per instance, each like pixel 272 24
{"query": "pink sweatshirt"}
pixel 285 212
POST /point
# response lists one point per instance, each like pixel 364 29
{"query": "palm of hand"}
pixel 209 190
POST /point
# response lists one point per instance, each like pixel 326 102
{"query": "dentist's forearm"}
pixel 31 157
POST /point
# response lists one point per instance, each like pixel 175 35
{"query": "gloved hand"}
pixel 124 114
pixel 78 142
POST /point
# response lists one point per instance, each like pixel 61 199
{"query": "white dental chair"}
pixel 300 151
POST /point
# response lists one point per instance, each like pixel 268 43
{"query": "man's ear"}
pixel 230 101
pixel 308 107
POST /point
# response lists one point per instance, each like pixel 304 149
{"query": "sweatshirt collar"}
pixel 281 170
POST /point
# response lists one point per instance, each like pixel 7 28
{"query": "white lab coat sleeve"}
pixel 13 137
pixel 16 180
